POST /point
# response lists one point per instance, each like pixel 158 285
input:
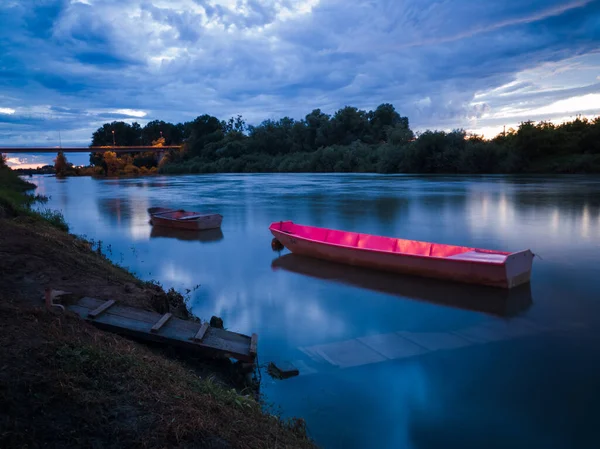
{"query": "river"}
pixel 386 362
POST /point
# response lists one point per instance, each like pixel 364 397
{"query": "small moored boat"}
pixel 434 260
pixel 181 219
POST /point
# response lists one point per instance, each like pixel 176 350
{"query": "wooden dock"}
pixel 167 329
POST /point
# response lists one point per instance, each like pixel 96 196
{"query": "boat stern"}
pixel 518 268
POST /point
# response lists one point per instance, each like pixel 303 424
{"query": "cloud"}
pixel 131 113
pixel 72 65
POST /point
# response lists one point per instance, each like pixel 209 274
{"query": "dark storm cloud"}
pixel 444 64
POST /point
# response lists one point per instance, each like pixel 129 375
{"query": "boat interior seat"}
pixel 191 217
pixel 479 256
pixel 441 250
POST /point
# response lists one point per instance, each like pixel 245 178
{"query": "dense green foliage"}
pixel 353 140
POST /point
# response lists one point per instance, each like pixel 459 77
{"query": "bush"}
pixel 131 170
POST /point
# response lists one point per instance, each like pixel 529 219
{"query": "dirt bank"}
pixel 34 256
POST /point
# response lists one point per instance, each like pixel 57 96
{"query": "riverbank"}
pixel 65 384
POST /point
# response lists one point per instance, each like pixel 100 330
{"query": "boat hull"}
pixel 203 222
pixel 515 269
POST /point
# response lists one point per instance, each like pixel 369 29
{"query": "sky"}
pixel 68 66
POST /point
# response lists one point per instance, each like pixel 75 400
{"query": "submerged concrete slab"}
pixel 392 346
pixel 481 334
pixel 404 344
pixel 348 353
pixel 434 341
pixel 304 368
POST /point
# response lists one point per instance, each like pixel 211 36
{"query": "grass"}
pixel 15 201
pixel 55 218
pixel 79 387
pixel 9 180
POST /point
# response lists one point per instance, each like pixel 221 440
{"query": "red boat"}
pixel 181 219
pixel 434 260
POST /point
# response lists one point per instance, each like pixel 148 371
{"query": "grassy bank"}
pixel 63 383
pixel 16 201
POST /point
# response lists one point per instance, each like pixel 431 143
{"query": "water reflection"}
pixel 546 417
pixel 112 208
pixel 209 235
pixel 501 302
pixel 127 212
pixel 442 398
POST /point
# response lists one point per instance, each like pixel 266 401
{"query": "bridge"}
pixel 116 149
pixel 159 150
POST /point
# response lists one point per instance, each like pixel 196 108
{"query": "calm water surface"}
pixel 386 362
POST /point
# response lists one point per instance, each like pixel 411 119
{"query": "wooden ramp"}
pixel 167 329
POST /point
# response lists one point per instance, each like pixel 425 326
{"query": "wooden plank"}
pixel 117 309
pixel 253 344
pixel 137 323
pixel 171 334
pixel 200 335
pixel 282 370
pixel 160 323
pixel 94 313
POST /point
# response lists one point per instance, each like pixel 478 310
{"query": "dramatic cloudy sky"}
pixel 71 65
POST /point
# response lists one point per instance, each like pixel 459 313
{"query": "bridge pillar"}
pixel 159 156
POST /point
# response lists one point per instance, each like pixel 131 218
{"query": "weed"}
pixel 55 218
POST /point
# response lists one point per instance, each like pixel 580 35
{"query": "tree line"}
pixel 354 140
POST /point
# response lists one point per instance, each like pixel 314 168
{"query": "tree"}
pixel 237 124
pixel 60 164
pixel 112 162
pixel 117 133
pixel 317 129
pixel 400 134
pixel 203 130
pixel 382 120
pixel 352 140
pixel 3 160
pixel 160 142
pixel 147 159
pixel 173 134
pixel 347 125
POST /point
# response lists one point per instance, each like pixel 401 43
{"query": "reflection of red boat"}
pixel 181 219
pixel 457 263
pixel 479 298
pixel 208 235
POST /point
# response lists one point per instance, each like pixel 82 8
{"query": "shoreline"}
pixel 66 383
